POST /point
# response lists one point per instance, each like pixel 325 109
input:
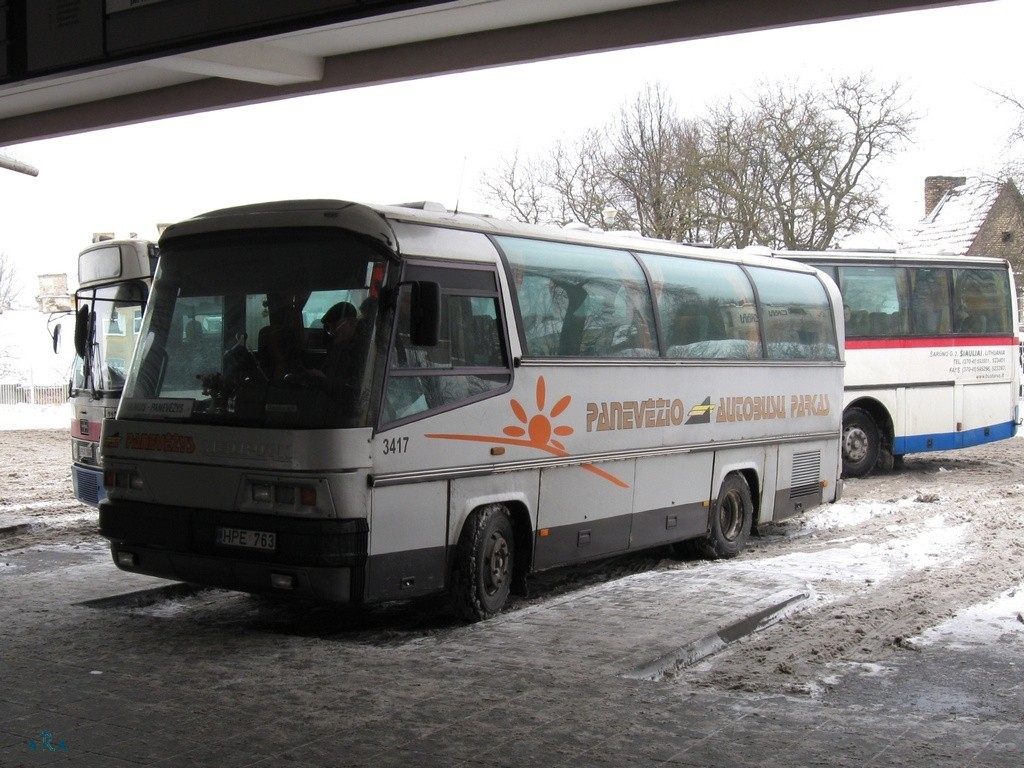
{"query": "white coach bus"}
pixel 113 285
pixel 398 401
pixel 933 357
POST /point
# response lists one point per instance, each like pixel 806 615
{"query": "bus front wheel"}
pixel 483 568
pixel 861 443
pixel 732 517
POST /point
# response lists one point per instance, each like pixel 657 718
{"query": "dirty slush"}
pixel 857 618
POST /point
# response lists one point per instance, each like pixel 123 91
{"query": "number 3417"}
pixel 395 445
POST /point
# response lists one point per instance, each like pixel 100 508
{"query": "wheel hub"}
pixel 498 562
pixel 855 444
pixel 730 516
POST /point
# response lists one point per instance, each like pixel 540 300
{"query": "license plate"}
pixel 240 537
pixel 85 451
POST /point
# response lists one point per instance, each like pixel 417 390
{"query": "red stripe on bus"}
pixel 934 341
pixel 94 430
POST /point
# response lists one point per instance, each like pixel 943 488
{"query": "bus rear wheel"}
pixel 732 518
pixel 861 443
pixel 483 568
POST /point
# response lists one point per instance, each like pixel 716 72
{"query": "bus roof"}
pixel 888 257
pixel 109 261
pixel 373 221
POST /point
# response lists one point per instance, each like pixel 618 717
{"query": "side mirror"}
pixel 56 338
pixel 425 322
pixel 81 330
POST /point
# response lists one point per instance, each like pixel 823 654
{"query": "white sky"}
pixel 433 138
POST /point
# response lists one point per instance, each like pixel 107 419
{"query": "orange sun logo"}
pixel 537 431
pixel 538 427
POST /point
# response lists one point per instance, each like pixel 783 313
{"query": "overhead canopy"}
pixel 72 67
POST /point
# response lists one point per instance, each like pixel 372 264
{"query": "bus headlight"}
pixel 123 478
pixel 282 494
pixel 264 494
pixel 293 495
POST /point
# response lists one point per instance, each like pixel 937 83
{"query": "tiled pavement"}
pixel 208 678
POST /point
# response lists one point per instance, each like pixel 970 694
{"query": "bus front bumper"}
pixel 325 559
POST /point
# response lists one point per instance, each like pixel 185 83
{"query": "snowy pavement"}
pixel 890 634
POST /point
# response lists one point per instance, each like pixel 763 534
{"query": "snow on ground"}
pixel 931 554
pixel 994 622
pixel 25 416
pixel 870 562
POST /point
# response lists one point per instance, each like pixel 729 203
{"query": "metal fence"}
pixel 13 394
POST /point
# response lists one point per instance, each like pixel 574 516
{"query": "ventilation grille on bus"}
pixel 804 481
pixel 88 487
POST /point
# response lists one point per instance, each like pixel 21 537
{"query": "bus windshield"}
pixel 112 315
pixel 272 328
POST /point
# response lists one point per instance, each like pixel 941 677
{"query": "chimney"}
pixel 936 186
pixel 53 293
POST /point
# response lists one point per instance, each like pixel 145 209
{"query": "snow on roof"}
pixel 955 221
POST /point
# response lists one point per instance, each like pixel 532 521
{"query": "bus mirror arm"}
pixel 81 330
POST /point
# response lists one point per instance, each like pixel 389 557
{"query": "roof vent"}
pixel 426 205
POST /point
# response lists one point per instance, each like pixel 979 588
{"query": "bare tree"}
pixel 520 189
pixel 586 191
pixel 1014 167
pixel 8 277
pixel 638 172
pixel 798 162
pixel 1014 103
pixel 735 172
pixel 570 185
pixel 8 282
pixel 863 123
pixel 654 162
pixel 792 169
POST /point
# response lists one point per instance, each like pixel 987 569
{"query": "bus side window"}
pixel 797 317
pixel 689 328
pixel 601 310
pixel 878 300
pixel 542 305
pixel 707 308
pixel 469 362
pixel 930 300
pixel 981 305
pixel 481 341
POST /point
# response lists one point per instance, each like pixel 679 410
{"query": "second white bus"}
pixel 113 284
pixel 933 357
pixel 511 398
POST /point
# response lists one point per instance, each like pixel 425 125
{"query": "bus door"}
pixel 437 419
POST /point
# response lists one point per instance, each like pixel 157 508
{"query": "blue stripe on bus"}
pixel 949 440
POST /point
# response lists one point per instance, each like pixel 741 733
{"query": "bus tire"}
pixel 483 568
pixel 861 443
pixel 732 517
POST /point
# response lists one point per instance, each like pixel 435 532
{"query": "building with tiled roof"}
pixel 970 217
